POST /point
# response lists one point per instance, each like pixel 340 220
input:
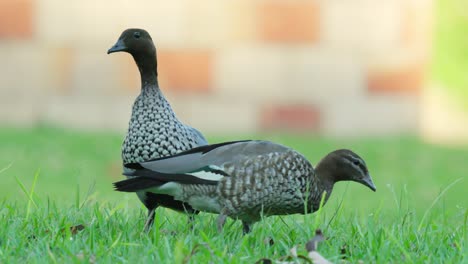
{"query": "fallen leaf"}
pixel 343 251
pixel 317 258
pixel 168 232
pixel 92 259
pixel 293 251
pixel 80 255
pixel 75 229
pixel 311 247
pixel 264 261
pixel 195 249
pixel 313 243
pixel 268 241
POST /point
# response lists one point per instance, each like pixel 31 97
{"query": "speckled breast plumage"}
pixel 275 184
pixel 154 131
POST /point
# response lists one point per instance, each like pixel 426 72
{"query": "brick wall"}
pixel 330 67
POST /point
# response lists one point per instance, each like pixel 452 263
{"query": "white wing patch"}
pixel 207 175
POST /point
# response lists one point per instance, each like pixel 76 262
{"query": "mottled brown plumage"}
pixel 245 180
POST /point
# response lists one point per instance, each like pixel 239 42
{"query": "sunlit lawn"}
pixel 418 213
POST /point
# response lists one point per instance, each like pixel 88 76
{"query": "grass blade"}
pixel 30 193
pixel 6 168
pixel 435 201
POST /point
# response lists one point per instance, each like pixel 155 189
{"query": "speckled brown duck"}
pixel 246 179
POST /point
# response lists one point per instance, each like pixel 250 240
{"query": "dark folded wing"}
pixel 214 155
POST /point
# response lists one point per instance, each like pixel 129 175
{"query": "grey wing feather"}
pixel 216 157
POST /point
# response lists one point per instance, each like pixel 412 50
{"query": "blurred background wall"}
pixel 332 67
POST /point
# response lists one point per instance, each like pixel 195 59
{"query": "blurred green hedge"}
pixel 450 61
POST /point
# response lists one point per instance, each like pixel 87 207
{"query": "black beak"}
pixel 119 46
pixel 369 183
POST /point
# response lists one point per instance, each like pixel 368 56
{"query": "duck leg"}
pixel 191 217
pixel 246 228
pixel 150 219
pixel 221 221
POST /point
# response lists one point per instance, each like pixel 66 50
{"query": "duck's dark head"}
pixel 345 165
pixel 139 44
pixel 136 42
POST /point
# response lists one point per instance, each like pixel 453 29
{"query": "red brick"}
pixel 288 21
pixel 405 79
pixel 295 118
pixel 185 70
pixel 16 18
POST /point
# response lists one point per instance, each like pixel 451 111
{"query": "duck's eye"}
pixel 356 162
pixel 136 35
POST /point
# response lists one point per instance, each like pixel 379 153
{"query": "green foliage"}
pixel 450 64
pixel 418 214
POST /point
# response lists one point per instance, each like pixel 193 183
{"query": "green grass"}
pixel 55 179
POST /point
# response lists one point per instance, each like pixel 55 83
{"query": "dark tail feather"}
pixel 136 184
pixel 160 178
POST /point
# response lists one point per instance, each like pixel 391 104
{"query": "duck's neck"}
pixel 147 66
pixel 324 176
